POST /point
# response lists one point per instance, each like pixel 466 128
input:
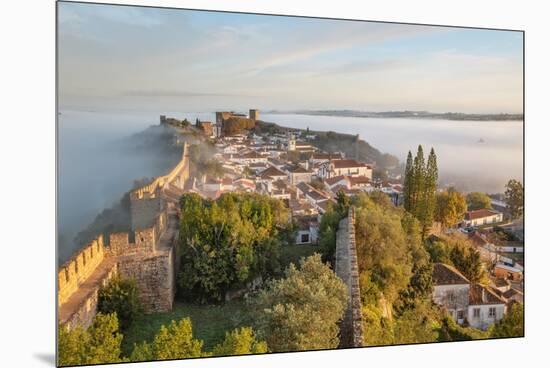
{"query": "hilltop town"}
pixel 240 154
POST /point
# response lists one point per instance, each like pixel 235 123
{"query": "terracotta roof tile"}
pixel 447 275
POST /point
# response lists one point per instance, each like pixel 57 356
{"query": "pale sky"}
pixel 132 58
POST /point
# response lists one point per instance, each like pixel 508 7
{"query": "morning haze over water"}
pixel 89 144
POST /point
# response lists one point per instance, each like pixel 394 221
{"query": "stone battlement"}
pixel 351 326
pixel 148 253
pixel 148 201
pixel 83 264
pixel 77 269
pixel 177 176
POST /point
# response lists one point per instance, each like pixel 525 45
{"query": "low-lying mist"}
pixel 472 155
pixel 100 157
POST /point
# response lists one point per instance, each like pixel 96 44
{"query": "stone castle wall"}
pixel 147 202
pixel 155 279
pixel 85 308
pixel 77 269
pixel 351 326
pixel 148 254
pixel 143 211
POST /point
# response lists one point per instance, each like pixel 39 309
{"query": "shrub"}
pixel 120 296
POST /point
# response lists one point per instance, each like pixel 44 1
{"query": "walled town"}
pixel 474 259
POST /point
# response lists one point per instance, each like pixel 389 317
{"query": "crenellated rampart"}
pixel 77 269
pixel 148 254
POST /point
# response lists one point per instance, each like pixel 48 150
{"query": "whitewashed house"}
pixel 485 307
pixel 299 175
pixel 451 291
pixel 482 217
pixel 347 167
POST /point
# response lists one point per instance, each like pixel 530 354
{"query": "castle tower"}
pixel 291 142
pixel 254 114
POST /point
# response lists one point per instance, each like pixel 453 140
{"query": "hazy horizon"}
pixel 132 58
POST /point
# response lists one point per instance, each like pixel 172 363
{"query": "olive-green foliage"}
pixel 420 283
pixel 467 260
pixel 478 200
pixel 120 296
pixel 450 207
pixel 377 329
pixel 449 330
pixel 327 232
pixel 439 251
pixel 174 341
pixel 511 325
pixel 329 225
pixel 459 252
pixel 416 325
pixel 382 245
pixel 514 198
pixel 240 342
pixel 395 274
pixel 301 311
pixel 227 242
pixel 99 344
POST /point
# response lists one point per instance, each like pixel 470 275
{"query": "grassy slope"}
pixel 293 253
pixel 210 322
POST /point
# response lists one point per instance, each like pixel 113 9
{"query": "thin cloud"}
pixel 176 93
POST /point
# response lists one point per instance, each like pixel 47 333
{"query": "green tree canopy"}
pixel 327 231
pixel 301 311
pixel 228 242
pixel 420 184
pixel 174 341
pixel 511 325
pixel 450 207
pixel 382 245
pixel 514 198
pixel 459 252
pixel 478 200
pixel 99 344
pixel 240 341
pixel 120 296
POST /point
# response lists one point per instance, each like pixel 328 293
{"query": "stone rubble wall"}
pixel 351 326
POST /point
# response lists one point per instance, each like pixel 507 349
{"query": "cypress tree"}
pixel 430 186
pixel 420 185
pixel 418 175
pixel 408 183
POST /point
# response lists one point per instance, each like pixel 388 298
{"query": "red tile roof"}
pixel 480 295
pixel 271 172
pixel 359 180
pixel 447 275
pixel 336 179
pixel 477 214
pixel 344 163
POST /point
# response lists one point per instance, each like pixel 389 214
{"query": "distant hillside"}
pixel 336 142
pixel 406 114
